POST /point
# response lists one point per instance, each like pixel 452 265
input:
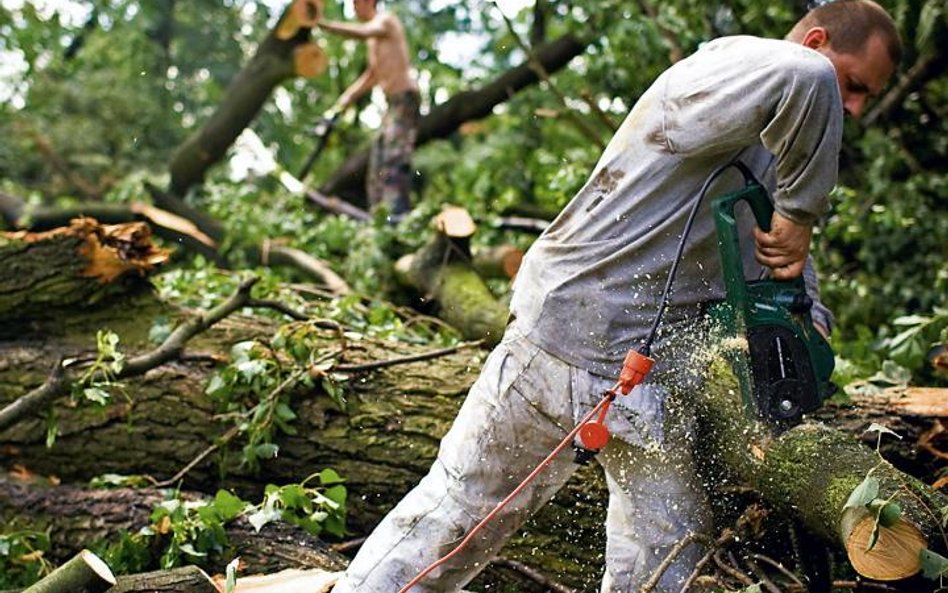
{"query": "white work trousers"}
pixel 522 405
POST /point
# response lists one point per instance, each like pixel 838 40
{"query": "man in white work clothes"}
pixel 590 286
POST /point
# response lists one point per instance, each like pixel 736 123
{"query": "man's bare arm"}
pixel 374 28
pixel 359 87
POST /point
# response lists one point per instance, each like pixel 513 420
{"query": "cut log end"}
pixel 894 556
pixel 98 566
pixel 455 222
pixel 303 14
pixel 309 60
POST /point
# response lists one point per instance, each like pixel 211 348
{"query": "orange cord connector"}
pixel 593 434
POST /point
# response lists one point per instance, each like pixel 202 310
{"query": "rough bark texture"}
pixel 443 120
pixel 71 268
pixel 188 579
pixel 808 471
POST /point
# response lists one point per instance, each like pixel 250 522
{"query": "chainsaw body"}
pixel 786 368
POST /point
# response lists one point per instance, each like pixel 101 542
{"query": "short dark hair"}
pixel 850 23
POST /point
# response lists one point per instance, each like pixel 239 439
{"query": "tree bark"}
pixel 348 180
pixel 71 268
pixel 187 579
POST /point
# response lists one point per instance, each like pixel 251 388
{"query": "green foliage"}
pixel 193 532
pixel 21 558
pixel 96 381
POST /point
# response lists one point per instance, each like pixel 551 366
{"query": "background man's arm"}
pixel 374 28
pixel 359 87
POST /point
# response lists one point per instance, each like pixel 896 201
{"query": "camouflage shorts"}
pixel 389 176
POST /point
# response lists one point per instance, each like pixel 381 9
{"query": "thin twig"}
pixel 789 574
pixel 731 571
pixel 351 368
pixel 348 545
pixel 534 575
pixel 727 536
pixel 673 553
pixel 599 113
pixel 765 582
pixel 51 388
pixel 543 75
pixel 225 438
pixel 278 306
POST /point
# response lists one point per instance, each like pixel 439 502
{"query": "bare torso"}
pixel 388 57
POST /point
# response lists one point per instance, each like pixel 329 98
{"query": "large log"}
pixel 810 472
pixel 387 435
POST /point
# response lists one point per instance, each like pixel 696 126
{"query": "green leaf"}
pixel 190 550
pixel 267 450
pixel 336 494
pixel 284 412
pixel 96 395
pixel 228 506
pixel 268 514
pixel 863 494
pixel 216 385
pixel 934 565
pixel 329 476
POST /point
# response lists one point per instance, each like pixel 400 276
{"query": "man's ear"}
pixel 815 38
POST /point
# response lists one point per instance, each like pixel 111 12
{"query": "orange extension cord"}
pixel 606 400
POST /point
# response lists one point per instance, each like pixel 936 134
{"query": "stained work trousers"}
pixel 388 180
pixel 522 405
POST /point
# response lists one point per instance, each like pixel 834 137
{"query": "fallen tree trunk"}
pixel 810 472
pixel 386 436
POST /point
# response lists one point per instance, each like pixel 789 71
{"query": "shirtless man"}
pixel 389 175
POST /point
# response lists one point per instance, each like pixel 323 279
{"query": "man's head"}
pixel 860 39
pixel 364 9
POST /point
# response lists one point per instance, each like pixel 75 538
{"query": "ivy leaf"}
pixel 227 505
pixel 934 565
pixel 267 514
pixel 863 494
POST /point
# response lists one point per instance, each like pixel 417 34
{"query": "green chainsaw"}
pixel 785 370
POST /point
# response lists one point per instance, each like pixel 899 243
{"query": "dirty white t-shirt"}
pixel 589 287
